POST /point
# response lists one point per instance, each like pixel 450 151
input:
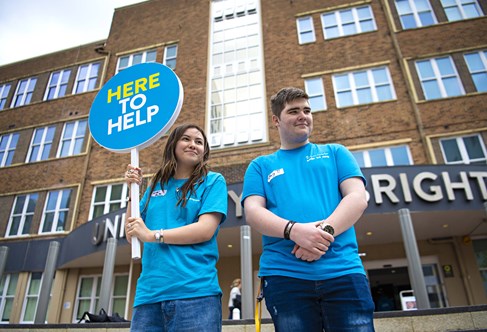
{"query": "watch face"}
pixel 329 229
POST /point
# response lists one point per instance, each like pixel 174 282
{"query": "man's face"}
pixel 295 123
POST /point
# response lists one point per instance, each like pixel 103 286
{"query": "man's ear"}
pixel 275 120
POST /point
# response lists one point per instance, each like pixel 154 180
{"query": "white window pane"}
pixel 341 82
pixel 377 158
pixel 452 87
pixel 473 147
pixel 431 90
pixel 445 66
pixel 384 93
pixel 359 157
pixel 364 96
pixel 400 155
pixel 451 150
pixel 345 99
pixel 471 11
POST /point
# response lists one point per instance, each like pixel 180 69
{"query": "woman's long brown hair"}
pixel 169 163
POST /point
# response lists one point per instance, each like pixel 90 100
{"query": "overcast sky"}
pixel 29 28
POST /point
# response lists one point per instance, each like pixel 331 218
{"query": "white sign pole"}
pixel 134 203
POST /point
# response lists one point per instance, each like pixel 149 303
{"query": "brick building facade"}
pixel 401 83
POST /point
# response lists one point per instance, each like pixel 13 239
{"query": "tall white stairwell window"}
pixel 236 109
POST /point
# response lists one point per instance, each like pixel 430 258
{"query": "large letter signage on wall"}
pixel 133 110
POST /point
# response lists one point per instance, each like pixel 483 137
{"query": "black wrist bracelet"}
pixel 287 229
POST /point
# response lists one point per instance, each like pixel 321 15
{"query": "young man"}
pixel 305 199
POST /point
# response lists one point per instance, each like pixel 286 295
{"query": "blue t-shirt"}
pixel 303 185
pixel 171 272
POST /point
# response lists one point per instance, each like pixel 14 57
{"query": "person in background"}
pixel 181 213
pixel 305 199
pixel 235 299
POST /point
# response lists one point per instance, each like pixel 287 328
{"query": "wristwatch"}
pixel 157 236
pixel 327 228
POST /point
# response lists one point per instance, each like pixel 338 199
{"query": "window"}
pixel 456 10
pixel 390 156
pixel 88 295
pixel 315 91
pixel 8 286
pixel 56 211
pixel 107 199
pixel 363 87
pixel 348 22
pixel 31 298
pixel 236 111
pixel 306 30
pixel 415 13
pixel 439 78
pixel 4 90
pixel 24 91
pixel 464 150
pixel 8 143
pixel 57 85
pixel 72 138
pixel 41 143
pixel 477 66
pixel 170 54
pixel 22 214
pixel 480 249
pixel 134 59
pixel 86 78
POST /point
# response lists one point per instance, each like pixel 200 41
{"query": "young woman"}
pixel 181 212
pixel 235 299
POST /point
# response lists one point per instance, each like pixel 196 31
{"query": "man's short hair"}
pixel 284 96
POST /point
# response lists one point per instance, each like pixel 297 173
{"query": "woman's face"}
pixel 190 148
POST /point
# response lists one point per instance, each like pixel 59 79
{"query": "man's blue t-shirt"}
pixel 171 272
pixel 303 185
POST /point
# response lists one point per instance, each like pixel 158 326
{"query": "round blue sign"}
pixel 136 107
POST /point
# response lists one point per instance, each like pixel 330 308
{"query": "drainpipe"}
pixel 407 78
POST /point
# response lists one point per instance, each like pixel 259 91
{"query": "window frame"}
pixel 59 87
pixel 301 32
pixel 94 297
pixel 107 202
pixel 371 84
pixel 72 139
pixel 169 59
pixel 4 91
pixel 483 59
pixel 131 57
pixel 5 297
pixel 312 95
pixel 9 149
pixel 24 97
pixel 438 78
pixel 340 24
pixel 368 162
pixel 43 144
pixel 416 14
pixel 85 81
pixel 58 210
pixel 460 9
pixel 477 245
pixel 29 296
pixel 23 215
pixel 462 149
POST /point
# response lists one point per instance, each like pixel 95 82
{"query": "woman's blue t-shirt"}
pixel 171 272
